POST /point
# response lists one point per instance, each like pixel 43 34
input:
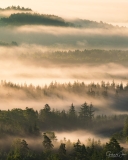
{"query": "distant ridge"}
pixel 15 8
pixel 35 18
pixel 27 17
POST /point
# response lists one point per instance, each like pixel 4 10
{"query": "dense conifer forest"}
pixel 63 84
pixel 40 125
pixel 75 57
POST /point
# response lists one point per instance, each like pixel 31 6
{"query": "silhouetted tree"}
pixel 47 143
pixel 72 113
pixel 113 147
pixel 62 151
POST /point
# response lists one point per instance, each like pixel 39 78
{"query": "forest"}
pixel 15 8
pixel 8 44
pixel 40 125
pixel 63 83
pixel 86 56
pixel 29 18
pixel 71 57
pixel 43 124
pixel 26 16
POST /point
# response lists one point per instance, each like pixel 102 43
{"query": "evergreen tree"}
pixel 62 151
pixel 47 143
pixel 80 152
pixel 113 147
pixel 72 113
pixel 125 129
pixel 86 113
pixel 19 150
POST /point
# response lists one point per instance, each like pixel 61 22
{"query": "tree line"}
pixel 20 151
pixel 95 90
pixel 30 122
pixel 15 8
pixel 13 43
pixel 14 19
pixel 35 18
pixel 92 56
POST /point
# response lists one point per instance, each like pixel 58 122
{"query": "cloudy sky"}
pixel 113 11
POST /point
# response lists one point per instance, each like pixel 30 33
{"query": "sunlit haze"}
pixel 99 10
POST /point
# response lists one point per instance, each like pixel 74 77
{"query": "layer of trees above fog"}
pixel 30 122
pixel 13 43
pixel 29 18
pixel 15 8
pixel 65 151
pixel 94 56
pixel 47 20
pixel 54 90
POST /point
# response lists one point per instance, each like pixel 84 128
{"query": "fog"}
pixel 42 76
pixel 61 66
pixel 96 10
pixel 82 135
pixel 43 71
pixel 60 99
pixel 66 38
pixel 28 69
pixel 69 138
pixel 7 13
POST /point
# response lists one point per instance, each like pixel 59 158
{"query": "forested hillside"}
pixel 94 57
pixel 29 18
pixel 31 124
pixel 63 80
pixel 26 16
pixel 15 8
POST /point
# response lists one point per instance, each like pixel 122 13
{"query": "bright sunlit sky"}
pixel 115 11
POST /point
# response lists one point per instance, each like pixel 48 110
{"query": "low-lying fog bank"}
pixel 106 97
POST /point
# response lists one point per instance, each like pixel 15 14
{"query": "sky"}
pixel 113 11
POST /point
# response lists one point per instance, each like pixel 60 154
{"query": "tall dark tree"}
pixel 125 129
pixel 90 112
pixel 19 150
pixel 72 112
pixel 62 151
pixel 80 152
pixel 113 150
pixel 45 116
pixel 85 114
pixel 47 143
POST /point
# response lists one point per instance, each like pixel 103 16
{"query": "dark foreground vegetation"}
pixel 77 151
pixel 29 123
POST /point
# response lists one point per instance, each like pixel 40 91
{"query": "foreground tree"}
pixel 80 152
pixel 72 112
pixel 86 114
pixel 47 143
pixel 125 129
pixel 19 150
pixel 62 151
pixel 113 150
